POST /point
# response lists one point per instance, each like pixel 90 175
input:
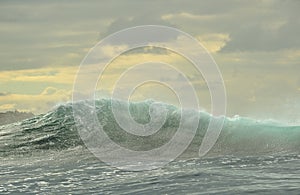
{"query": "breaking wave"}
pixel 57 131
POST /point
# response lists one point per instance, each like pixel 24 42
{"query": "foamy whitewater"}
pixel 45 155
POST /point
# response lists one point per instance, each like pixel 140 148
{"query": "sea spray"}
pixel 56 131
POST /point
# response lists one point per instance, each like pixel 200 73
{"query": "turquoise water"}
pixel 45 155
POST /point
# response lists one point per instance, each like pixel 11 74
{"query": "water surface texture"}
pixel 46 155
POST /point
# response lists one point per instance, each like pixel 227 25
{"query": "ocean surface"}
pixel 46 155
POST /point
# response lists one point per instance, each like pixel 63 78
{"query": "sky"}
pixel 255 44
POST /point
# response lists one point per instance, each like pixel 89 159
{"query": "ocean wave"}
pixel 57 130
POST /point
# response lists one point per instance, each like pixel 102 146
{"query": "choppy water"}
pixel 45 155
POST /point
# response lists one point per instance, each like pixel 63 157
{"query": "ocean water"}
pixel 45 155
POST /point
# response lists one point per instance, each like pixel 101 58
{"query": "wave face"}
pixel 56 130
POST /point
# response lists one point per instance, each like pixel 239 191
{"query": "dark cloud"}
pixel 274 27
pixel 44 34
pixel 253 37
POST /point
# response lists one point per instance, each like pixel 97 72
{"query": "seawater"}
pixel 45 155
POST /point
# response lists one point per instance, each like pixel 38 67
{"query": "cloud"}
pixel 286 36
pixel 39 103
pixel 62 75
pixel 49 91
pixel 52 33
pixel 7 107
pixel 255 44
pixel 213 42
pixel 112 50
pixel 275 26
pixel 4 93
pixel 186 15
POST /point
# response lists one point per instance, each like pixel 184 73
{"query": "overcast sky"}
pixel 255 44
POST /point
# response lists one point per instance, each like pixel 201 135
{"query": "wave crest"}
pixel 56 130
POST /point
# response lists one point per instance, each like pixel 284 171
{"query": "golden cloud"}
pixel 64 75
pixel 39 103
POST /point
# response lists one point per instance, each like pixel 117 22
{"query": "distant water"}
pixel 45 155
